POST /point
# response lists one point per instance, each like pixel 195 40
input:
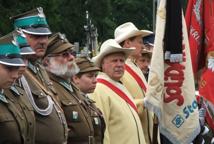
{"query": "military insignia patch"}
pixel 75 115
pixel 2 98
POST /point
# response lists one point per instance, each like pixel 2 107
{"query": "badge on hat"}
pixel 32 22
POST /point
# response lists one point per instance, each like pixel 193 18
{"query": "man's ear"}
pixel 75 79
pixel 127 43
pixel 45 62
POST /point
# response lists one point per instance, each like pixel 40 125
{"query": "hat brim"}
pixel 37 31
pixel 98 59
pixel 27 51
pixel 63 47
pixel 90 69
pixel 12 62
pixel 146 51
pixel 133 33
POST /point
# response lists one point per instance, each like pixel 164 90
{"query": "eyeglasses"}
pixel 64 54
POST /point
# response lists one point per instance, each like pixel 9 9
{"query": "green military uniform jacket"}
pixel 17 121
pixel 85 121
pixel 50 129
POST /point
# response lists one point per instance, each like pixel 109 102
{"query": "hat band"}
pixel 10 56
pixel 30 21
pixel 23 45
pixel 21 40
pixel 9 49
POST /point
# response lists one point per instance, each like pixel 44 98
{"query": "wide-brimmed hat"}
pixel 32 22
pixel 86 65
pixel 128 30
pixel 58 43
pixel 10 52
pixel 108 47
pixel 25 48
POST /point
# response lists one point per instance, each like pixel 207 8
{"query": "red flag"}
pixel 207 78
pixel 194 21
pixel 206 88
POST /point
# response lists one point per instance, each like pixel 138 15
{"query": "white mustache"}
pixel 64 70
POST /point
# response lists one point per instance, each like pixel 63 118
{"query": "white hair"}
pixel 62 69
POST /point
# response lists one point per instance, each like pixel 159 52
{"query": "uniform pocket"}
pixel 39 93
pixel 5 117
pixel 72 110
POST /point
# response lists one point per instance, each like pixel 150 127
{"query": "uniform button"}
pixel 30 123
pixel 28 139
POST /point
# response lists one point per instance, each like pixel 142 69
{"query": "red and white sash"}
pixel 136 77
pixel 118 92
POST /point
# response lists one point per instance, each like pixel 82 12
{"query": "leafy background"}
pixel 68 16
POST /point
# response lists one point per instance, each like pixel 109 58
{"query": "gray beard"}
pixel 62 70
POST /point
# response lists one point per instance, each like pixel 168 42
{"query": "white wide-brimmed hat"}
pixel 108 47
pixel 128 30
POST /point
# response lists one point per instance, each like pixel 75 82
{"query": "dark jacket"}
pixel 84 119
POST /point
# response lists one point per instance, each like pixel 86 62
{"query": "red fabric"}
pixel 118 91
pixel 209 24
pixel 136 77
pixel 206 88
pixel 194 21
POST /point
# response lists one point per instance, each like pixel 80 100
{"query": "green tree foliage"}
pixel 137 11
pixel 68 16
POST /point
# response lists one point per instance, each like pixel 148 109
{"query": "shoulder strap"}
pixel 38 83
pixel 136 77
pixel 118 91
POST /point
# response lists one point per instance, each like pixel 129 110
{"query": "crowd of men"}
pixel 49 96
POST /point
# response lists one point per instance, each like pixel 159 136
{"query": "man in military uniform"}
pixel 51 126
pixel 85 121
pixel 17 119
pixel 85 79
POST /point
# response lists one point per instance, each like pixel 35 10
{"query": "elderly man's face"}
pixel 8 75
pixel 114 65
pixel 38 43
pixel 62 64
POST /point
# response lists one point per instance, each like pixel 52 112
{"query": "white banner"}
pixel 171 91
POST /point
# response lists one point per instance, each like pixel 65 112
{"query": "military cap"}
pixel 58 43
pixel 149 39
pixel 9 51
pixel 25 48
pixel 86 65
pixel 32 22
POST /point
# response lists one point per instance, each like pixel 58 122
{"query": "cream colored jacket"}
pixel 123 125
pixel 138 94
